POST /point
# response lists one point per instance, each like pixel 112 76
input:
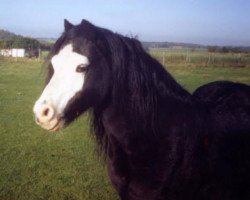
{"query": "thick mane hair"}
pixel 134 72
pixel 160 141
pixel 135 84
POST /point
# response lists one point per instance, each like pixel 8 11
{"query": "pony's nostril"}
pixel 46 112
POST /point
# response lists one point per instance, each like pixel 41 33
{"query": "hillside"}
pixel 6 35
pixel 11 40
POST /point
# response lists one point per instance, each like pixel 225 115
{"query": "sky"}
pixel 209 22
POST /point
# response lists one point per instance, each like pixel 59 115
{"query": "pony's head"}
pixel 78 76
pixel 92 67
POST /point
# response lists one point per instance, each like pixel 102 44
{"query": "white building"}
pixel 5 52
pixel 13 52
pixel 18 53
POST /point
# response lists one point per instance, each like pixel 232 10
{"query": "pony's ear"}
pixel 67 25
pixel 88 27
pixel 86 23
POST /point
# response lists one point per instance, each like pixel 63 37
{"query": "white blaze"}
pixel 65 82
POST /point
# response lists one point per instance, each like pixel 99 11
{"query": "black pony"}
pixel 160 141
pixel 229 102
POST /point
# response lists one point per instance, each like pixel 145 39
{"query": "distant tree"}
pixel 33 53
pixel 225 50
pixel 235 50
pixel 2 45
pixel 46 46
pixel 6 35
pixel 21 42
pixel 212 49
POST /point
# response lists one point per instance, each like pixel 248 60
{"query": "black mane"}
pixel 160 141
pixel 141 79
pixel 139 83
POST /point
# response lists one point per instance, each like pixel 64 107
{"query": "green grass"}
pixel 192 77
pixel 36 164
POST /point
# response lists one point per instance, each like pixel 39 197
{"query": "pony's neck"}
pixel 166 85
pixel 143 82
pixel 143 89
pixel 143 93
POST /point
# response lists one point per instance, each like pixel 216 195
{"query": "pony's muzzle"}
pixel 46 117
pixel 45 114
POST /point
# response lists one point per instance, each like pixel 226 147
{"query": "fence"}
pixel 200 58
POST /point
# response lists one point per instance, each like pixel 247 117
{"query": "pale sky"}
pixel 213 22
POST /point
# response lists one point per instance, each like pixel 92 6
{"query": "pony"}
pixel 158 140
pixel 229 102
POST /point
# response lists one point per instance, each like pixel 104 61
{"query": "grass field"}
pixel 36 164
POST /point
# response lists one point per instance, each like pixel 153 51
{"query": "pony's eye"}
pixel 81 68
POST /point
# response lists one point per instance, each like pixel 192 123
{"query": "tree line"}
pixel 31 46
pixel 216 49
pixel 24 43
